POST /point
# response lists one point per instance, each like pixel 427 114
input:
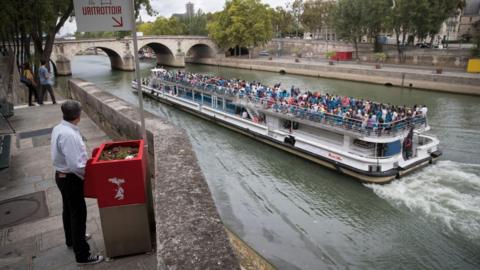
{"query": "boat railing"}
pixel 354 125
pixel 212 88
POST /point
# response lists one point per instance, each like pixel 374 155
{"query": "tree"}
pixel 26 21
pixel 349 21
pixel 282 22
pixel 376 21
pixel 421 18
pixel 163 26
pixel 242 23
pixel 315 15
pixel 296 11
pixel 195 25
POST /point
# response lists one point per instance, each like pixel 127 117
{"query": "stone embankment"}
pixel 448 81
pixel 189 232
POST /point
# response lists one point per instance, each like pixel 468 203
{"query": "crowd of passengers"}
pixel 353 112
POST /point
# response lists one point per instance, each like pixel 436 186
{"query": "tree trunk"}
pixel 355 42
pixel 399 46
pixel 403 58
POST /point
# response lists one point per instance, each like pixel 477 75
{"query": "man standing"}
pixel 69 157
pixel 45 82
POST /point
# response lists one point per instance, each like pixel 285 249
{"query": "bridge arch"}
pixel 198 51
pixel 163 53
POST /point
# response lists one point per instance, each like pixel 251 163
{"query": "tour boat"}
pixel 374 155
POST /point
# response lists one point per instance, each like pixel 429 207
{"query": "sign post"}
pixel 112 15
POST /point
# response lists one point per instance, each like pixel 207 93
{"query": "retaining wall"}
pixel 189 232
pixel 451 58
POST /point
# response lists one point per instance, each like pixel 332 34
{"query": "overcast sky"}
pixel 166 8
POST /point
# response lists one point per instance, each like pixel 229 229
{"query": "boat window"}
pixel 220 104
pixel 391 149
pixel 364 144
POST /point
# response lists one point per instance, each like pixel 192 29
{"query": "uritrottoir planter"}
pixel 119 181
pixel 120 188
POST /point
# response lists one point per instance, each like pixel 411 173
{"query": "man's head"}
pixel 43 62
pixel 71 110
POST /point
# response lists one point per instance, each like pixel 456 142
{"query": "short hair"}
pixel 43 62
pixel 71 110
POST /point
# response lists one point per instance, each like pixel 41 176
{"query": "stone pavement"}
pixel 31 230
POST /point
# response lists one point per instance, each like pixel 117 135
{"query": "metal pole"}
pixel 137 76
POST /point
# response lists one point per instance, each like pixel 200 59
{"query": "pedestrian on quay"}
pixel 69 155
pixel 29 81
pixel 46 82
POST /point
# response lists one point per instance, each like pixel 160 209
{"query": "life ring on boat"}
pixel 290 140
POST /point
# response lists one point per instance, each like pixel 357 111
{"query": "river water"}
pixel 299 215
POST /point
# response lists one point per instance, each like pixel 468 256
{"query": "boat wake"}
pixel 447 192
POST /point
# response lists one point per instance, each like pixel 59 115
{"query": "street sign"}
pixel 103 15
pixel 112 15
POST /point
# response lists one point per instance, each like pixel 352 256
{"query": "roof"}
pixel 472 7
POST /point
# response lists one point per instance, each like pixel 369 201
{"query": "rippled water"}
pixel 302 216
pixel 446 193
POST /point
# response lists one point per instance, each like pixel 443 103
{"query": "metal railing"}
pixel 327 119
pixel 355 125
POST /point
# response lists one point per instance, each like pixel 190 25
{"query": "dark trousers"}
pixel 74 213
pixel 32 91
pixel 45 88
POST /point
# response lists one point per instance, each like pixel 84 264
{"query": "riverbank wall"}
pixel 189 231
pixel 454 57
pixel 459 83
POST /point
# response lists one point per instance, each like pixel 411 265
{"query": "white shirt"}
pixel 424 111
pixel 69 153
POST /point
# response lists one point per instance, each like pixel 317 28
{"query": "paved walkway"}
pixel 31 230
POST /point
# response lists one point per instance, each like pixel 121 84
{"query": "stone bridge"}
pixel 169 50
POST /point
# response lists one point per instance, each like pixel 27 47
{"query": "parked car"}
pixel 263 53
pixel 425 45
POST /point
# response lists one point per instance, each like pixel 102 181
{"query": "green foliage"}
pixel 406 18
pixel 177 25
pixel 330 54
pixel 38 21
pixel 349 20
pixel 163 26
pixel 195 25
pixel 243 23
pixel 380 57
pixel 316 14
pixel 282 22
pixel 296 11
pixel 297 51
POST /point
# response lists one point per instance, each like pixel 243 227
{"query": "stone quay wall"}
pixel 315 49
pixel 402 77
pixel 189 232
